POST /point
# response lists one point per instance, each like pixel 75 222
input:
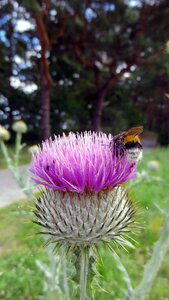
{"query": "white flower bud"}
pixel 20 126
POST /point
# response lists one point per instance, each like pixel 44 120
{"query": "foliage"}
pixel 112 53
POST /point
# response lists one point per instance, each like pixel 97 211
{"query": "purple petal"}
pixel 79 163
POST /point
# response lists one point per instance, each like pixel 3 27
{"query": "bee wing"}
pixel 134 131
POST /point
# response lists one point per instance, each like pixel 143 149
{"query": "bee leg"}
pixel 118 148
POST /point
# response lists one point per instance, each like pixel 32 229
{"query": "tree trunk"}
pixel 11 54
pixel 100 98
pixel 45 77
pixel 97 110
pixel 45 104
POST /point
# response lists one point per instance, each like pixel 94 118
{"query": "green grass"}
pixel 19 248
pixel 21 279
pixel 25 156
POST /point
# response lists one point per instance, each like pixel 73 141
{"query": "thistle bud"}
pixel 20 127
pixel 153 165
pixel 167 46
pixel 4 134
pixel 33 149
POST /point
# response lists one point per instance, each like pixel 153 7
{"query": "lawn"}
pixel 21 279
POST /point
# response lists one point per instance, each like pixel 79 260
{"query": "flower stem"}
pixel 84 266
pixel 65 277
pixel 17 148
pixel 5 153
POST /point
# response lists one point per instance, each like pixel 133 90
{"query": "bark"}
pixel 97 109
pixel 45 78
pixel 45 105
pixel 101 95
pixel 10 70
pixel 8 89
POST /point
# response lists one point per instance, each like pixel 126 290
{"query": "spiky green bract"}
pixel 73 219
pixel 79 222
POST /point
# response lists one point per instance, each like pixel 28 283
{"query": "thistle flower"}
pixel 83 202
pixel 4 134
pixel 81 163
pixel 20 127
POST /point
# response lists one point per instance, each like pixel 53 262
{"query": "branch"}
pixel 151 58
pixel 138 32
pixel 99 58
pixel 142 23
pixel 42 34
pixel 114 78
pixel 85 62
pixel 62 24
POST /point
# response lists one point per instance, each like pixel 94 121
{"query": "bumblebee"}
pixel 128 142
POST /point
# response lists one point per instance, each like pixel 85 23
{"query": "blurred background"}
pixel 74 66
pixel 80 65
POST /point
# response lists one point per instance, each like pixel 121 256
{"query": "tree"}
pixel 84 60
pixel 109 38
pixel 18 69
pixel 39 12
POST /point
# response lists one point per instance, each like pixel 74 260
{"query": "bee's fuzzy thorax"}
pixel 131 138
